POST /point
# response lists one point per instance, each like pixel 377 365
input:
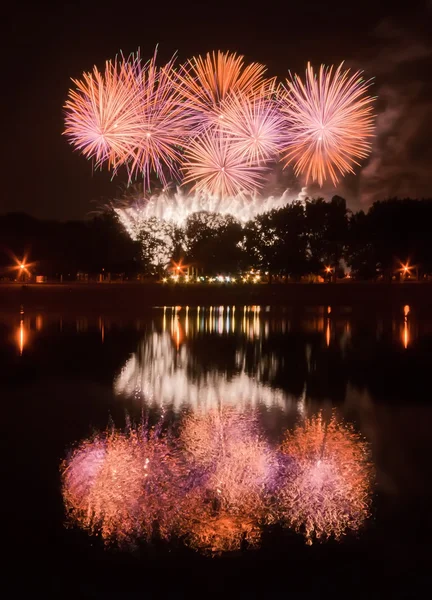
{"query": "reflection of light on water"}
pixel 328 333
pixel 405 334
pixel 21 337
pixel 161 371
pixel 102 329
pixel 39 322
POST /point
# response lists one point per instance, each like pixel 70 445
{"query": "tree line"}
pixel 303 238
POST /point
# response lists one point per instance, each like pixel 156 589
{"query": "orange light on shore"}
pixel 405 269
pixel 21 266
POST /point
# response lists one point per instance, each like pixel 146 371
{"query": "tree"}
pixel 327 229
pixel 213 242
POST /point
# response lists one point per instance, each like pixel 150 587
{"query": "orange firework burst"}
pixel 330 121
pixel 120 484
pixel 328 488
pixel 206 81
pixel 236 469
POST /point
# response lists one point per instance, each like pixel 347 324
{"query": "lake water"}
pixel 66 377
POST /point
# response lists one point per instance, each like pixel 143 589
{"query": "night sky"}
pixel 45 46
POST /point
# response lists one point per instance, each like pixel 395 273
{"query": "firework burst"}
pixel 205 82
pixel 165 122
pixel 218 168
pixel 131 115
pixel 255 127
pixel 103 114
pixel 218 121
pixel 327 489
pixel 330 121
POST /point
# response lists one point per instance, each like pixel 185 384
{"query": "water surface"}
pixel 65 376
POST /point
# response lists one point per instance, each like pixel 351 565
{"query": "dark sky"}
pixel 44 46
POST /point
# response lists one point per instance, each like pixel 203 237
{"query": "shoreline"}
pixel 137 297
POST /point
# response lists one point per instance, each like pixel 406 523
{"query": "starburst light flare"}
pixel 328 484
pixel 330 122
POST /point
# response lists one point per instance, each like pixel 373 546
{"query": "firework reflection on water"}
pixel 219 482
pixel 120 484
pixel 238 468
pixel 327 489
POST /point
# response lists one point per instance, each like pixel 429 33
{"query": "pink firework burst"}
pixel 255 127
pixel 330 122
pixel 132 115
pixel 102 114
pixel 328 487
pixel 165 121
pixel 218 168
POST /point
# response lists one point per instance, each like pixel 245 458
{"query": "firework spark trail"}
pixel 330 121
pixel 238 468
pixel 119 484
pixel 327 489
pixel 137 208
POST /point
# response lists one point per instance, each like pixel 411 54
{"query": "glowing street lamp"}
pixel 405 269
pixel 22 267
